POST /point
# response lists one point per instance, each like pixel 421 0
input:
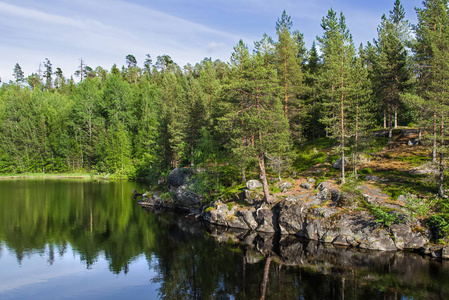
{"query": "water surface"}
pixel 66 239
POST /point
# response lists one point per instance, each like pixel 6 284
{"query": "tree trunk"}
pixel 395 118
pixel 356 138
pixel 243 175
pixel 441 177
pixel 390 125
pixel 263 176
pixel 441 183
pixel 434 147
pixel 342 111
pixel 285 87
pixel 385 118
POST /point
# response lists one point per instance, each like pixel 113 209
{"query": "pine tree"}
pixel 338 53
pixel 59 80
pixel 289 72
pixel 256 122
pixel 312 127
pixel 18 74
pixel 48 74
pixel 432 50
pixel 361 97
pixel 391 72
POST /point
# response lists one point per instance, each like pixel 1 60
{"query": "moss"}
pixel 211 208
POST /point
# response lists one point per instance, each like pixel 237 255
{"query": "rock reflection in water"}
pixel 322 271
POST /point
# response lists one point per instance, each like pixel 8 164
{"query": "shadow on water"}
pixel 187 259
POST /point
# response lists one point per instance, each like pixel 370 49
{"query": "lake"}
pixel 68 239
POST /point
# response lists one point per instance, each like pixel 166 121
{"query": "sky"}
pixel 104 32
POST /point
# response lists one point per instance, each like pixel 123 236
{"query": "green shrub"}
pixel 384 217
pixel 366 171
pixel 418 207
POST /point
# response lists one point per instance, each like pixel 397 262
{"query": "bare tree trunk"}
pixel 434 148
pixel 263 177
pixel 420 129
pixel 342 115
pixel 395 118
pixel 356 138
pixel 390 125
pixel 243 175
pixel 441 177
pixel 385 118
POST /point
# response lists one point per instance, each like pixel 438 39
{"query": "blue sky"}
pixel 103 32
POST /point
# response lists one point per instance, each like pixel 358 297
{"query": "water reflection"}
pixel 52 226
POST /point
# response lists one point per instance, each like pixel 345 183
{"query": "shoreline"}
pixel 80 176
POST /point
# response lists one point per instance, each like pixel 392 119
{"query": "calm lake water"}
pixel 66 239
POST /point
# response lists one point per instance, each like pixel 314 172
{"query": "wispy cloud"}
pixel 103 33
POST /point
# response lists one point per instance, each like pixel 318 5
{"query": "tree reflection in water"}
pixel 194 261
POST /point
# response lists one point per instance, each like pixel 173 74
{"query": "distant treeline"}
pixel 137 121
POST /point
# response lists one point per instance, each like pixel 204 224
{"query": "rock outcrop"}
pixel 321 215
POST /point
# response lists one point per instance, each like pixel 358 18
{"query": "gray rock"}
pixel 326 192
pixel 324 185
pixel 248 218
pixel 377 239
pixel 375 178
pixel 370 199
pixel 404 238
pixel 248 196
pixel 178 176
pixel 306 185
pixel 445 252
pixel 414 142
pixel 253 184
pixel 292 218
pixel 292 199
pixel 338 164
pixel 285 185
pixel 266 220
pixel 311 180
pixel 185 197
pixel 425 170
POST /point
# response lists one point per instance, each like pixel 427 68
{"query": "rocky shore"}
pixel 314 212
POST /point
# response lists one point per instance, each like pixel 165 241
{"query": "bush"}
pixel 366 171
pixel 384 217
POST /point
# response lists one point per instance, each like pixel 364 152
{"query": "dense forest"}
pixel 251 114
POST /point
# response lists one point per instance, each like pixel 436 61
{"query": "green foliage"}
pixel 418 207
pixel 383 216
pixel 366 171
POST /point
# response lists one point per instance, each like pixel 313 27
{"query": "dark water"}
pixel 62 239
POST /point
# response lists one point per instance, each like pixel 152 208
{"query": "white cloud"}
pixel 213 47
pixel 102 33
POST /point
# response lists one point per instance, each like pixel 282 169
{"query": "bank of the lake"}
pixel 307 209
pixel 83 176
pixel 77 239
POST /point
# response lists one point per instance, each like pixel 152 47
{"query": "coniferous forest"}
pixel 253 115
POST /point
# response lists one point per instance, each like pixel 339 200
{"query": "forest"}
pixel 251 115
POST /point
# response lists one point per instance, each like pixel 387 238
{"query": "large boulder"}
pixel 337 164
pixel 266 219
pixel 292 218
pixel 185 197
pixel 178 177
pixel 253 184
pixel 405 238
